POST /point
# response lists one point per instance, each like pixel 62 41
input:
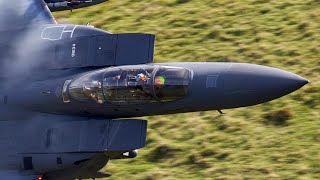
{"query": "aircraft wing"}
pixel 14 175
pixel 17 14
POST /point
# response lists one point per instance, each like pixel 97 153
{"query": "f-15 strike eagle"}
pixel 64 89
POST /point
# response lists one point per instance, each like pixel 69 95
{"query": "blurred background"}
pixel 276 140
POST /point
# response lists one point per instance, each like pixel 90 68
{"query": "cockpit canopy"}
pixel 132 85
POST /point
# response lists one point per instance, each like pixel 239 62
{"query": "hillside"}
pixel 276 140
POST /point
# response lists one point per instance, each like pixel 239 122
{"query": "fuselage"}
pixel 119 92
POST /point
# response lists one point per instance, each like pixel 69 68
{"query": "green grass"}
pixel 245 143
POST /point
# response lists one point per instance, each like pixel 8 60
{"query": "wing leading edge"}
pixel 17 14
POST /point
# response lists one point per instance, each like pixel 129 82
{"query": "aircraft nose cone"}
pixel 298 82
pixel 283 82
pixel 247 84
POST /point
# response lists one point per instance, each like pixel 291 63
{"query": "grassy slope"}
pixel 239 145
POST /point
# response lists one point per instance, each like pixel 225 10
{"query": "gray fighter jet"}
pixel 64 88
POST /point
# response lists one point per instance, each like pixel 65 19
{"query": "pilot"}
pixel 92 89
pixel 97 98
pixel 141 77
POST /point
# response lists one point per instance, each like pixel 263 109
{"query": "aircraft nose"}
pixel 247 84
pixel 298 82
pixel 278 81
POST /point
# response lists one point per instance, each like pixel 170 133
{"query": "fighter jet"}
pixel 65 90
